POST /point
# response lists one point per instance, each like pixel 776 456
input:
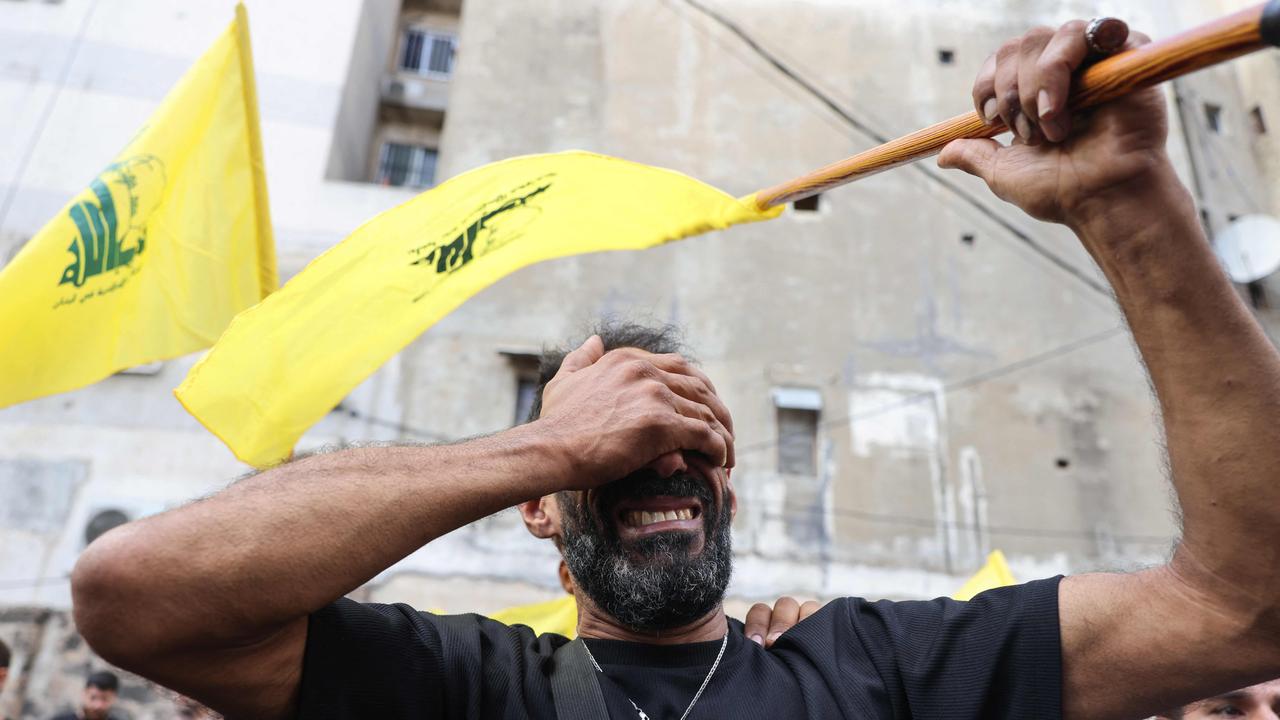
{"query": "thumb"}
pixel 974 156
pixel 587 353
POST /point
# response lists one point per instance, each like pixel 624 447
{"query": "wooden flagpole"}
pixel 1224 39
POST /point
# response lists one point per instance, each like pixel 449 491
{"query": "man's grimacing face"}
pixel 654 553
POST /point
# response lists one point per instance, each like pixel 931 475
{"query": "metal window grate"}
pixel 797 441
pixel 429 53
pixel 403 165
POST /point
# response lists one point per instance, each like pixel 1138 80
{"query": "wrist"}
pixel 1146 201
pixel 547 454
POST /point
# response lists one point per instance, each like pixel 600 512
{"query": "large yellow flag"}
pixel 283 364
pixel 162 249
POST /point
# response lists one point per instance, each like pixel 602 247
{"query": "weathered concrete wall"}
pixel 976 389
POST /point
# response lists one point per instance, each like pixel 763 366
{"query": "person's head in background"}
pixel 100 692
pixel 1256 702
pixel 5 657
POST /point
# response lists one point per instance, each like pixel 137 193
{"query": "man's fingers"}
pixel 984 94
pixel 1006 82
pixel 757 623
pixel 697 390
pixel 1029 51
pixel 1064 54
pixel 786 613
pixel 976 157
pixel 698 435
pixel 697 411
pixel 587 354
pixel 808 608
pixel 673 362
pixel 1137 40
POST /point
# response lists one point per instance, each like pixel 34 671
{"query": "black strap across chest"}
pixel 575 689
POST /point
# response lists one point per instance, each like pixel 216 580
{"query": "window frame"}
pixel 429 37
pixel 413 172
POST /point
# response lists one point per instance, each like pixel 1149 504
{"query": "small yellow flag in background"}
pixel 162 249
pixel 994 574
pixel 559 616
pixel 283 364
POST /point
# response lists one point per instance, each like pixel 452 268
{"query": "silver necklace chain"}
pixel 705 681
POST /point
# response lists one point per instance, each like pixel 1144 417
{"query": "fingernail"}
pixel 1023 126
pixel 757 640
pixel 1043 105
pixel 989 110
pixel 774 636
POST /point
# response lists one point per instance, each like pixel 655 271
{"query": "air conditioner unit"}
pixel 393 89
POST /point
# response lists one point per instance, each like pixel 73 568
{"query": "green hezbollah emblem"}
pixel 496 223
pixel 111 223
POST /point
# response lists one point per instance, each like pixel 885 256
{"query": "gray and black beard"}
pixel 654 584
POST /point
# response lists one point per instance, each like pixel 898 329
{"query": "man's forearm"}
pixel 279 545
pixel 1216 375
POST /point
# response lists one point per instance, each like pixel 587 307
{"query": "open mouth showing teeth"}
pixel 640 518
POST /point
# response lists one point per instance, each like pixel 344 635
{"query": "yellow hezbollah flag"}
pixel 162 249
pixel 283 364
pixel 559 616
pixel 995 573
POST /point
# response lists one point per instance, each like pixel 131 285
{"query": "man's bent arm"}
pixel 244 568
pixel 212 599
pixel 1209 621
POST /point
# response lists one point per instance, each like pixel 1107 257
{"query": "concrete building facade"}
pixel 919 374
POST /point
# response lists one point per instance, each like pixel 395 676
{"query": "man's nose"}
pixel 669 464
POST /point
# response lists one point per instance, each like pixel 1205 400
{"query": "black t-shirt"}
pixel 997 656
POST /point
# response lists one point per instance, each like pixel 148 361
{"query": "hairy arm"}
pixel 212 599
pixel 228 582
pixel 1209 621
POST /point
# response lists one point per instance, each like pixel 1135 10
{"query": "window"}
pixel 429 52
pixel 946 56
pixel 526 388
pixel 809 204
pixel 798 410
pixel 525 366
pixel 1213 117
pixel 406 165
pixel 1259 124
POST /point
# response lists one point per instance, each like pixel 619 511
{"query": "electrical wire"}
pixel 931 524
pixel 863 127
pixel 399 427
pixel 964 383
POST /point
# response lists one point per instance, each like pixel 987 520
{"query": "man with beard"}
pixel 627 469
